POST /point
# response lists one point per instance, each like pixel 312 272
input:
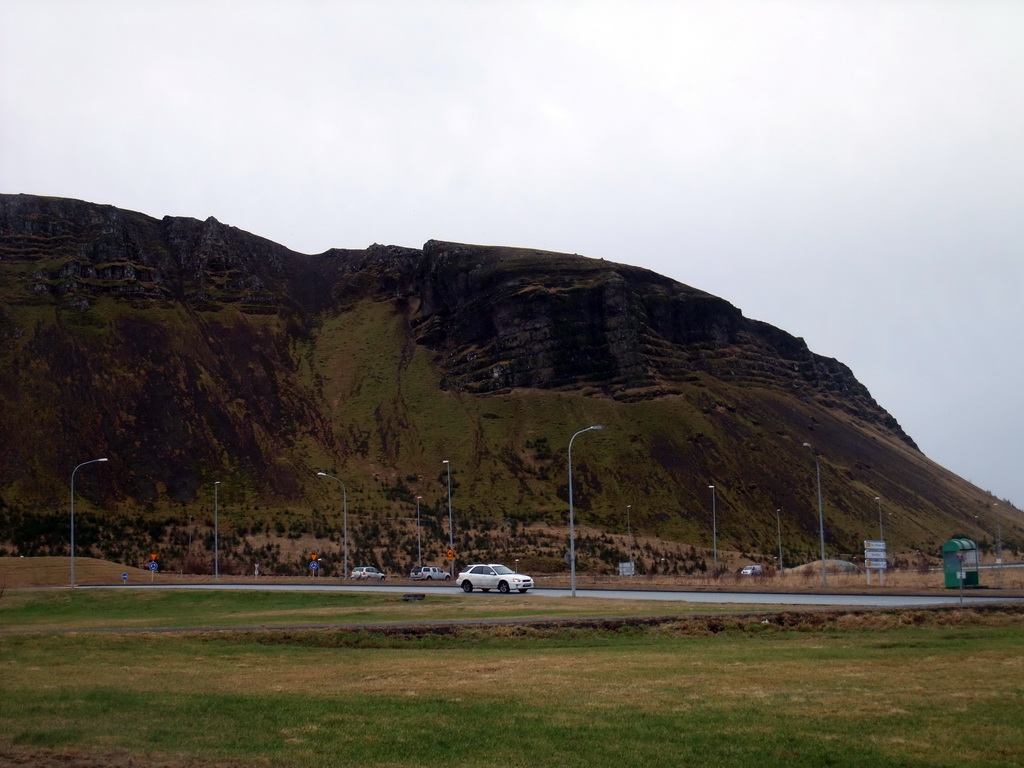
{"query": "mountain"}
pixel 192 352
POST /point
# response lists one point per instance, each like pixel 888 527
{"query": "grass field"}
pixel 911 688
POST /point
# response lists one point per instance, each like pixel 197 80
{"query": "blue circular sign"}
pixel 153 566
pixel 313 565
pixel 124 577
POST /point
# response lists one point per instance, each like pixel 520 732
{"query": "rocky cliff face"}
pixel 191 350
pixel 504 317
pixel 510 318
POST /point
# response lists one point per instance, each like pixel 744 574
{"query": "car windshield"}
pixel 502 569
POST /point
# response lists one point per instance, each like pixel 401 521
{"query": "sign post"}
pixel 875 560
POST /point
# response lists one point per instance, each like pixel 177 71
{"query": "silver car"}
pixel 488 576
pixel 366 572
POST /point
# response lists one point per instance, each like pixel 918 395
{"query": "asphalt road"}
pixel 740 598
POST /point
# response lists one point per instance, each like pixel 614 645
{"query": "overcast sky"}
pixel 851 172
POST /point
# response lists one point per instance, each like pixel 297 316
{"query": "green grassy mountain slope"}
pixel 190 352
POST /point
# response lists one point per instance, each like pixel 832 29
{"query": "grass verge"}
pixel 911 688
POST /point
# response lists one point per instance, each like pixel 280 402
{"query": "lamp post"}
pixel 216 535
pixel 419 537
pixel 344 519
pixel 821 516
pixel 881 534
pixel 451 535
pixel 91 461
pixel 572 523
pixel 629 532
pixel 778 522
pixel 999 550
pixel 714 527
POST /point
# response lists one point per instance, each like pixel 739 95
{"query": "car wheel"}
pixel 522 590
pixel 503 587
pixel 467 586
pixel 447 577
pixel 429 578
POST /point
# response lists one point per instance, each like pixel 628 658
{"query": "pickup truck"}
pixel 429 573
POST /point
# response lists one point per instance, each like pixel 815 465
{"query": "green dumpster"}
pixel 960 556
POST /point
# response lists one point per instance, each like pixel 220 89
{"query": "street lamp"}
pixel 419 537
pixel 778 522
pixel 629 532
pixel 999 549
pixel 451 536
pixel 821 516
pixel 91 461
pixel 714 526
pixel 344 518
pixel 216 535
pixel 572 524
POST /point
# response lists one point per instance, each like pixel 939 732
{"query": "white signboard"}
pixel 877 564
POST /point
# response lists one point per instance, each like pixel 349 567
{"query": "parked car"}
pixel 752 570
pixel 429 573
pixel 366 572
pixel 488 576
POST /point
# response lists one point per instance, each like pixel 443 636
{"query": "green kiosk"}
pixel 960 556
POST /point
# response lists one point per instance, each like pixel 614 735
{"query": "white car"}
pixel 488 576
pixel 366 572
pixel 752 570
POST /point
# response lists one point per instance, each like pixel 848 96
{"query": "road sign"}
pixel 313 565
pixel 451 554
pixel 153 566
pixel 124 577
pixel 874 557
